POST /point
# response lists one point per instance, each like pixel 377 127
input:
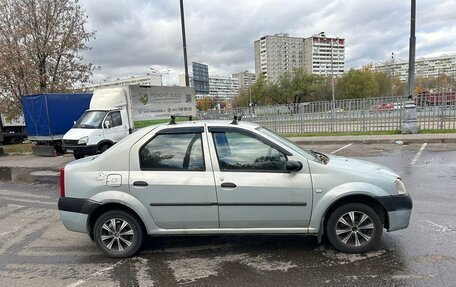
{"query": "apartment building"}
pixel 324 56
pixel 424 67
pixel 280 53
pixel 245 80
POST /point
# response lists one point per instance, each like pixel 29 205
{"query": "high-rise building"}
pixel 277 54
pixel 324 56
pixel 200 78
pixel 280 53
pixel 424 67
pixel 245 80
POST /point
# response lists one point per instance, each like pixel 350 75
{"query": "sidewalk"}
pixel 29 168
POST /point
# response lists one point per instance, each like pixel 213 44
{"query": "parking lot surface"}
pixel 36 250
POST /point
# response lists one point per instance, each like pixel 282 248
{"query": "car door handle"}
pixel 140 183
pixel 228 185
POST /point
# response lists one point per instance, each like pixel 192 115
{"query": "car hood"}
pixel 77 133
pixel 360 166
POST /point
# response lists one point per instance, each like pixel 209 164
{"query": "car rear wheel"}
pixel 118 234
pixel 354 228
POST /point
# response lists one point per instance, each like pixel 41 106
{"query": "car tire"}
pixel 354 228
pixel 118 234
pixel 78 156
pixel 104 147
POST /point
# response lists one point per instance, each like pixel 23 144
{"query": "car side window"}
pixel 116 119
pixel 243 152
pixel 173 152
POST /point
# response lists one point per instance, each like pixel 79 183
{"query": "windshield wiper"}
pixel 321 156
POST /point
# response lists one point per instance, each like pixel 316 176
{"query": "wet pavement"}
pixel 36 250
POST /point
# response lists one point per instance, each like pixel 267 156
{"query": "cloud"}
pixel 134 35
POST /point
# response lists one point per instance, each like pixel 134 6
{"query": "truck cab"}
pixel 96 131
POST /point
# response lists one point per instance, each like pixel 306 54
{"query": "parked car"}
pixel 217 177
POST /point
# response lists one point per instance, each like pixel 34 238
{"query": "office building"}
pixel 220 88
pixel 200 78
pixel 147 80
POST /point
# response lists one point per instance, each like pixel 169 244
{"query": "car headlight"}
pixel 400 187
pixel 83 140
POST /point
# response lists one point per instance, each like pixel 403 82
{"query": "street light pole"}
pixel 184 43
pixel 392 74
pixel 165 72
pixel 333 93
pixel 410 124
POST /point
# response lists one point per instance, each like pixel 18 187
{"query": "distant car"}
pixel 384 107
pixel 217 177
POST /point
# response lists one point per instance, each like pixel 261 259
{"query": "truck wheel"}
pixel 16 140
pixel 104 147
pixel 354 228
pixel 118 234
pixel 78 156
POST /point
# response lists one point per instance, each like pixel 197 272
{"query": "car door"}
pixel 171 176
pixel 253 188
pixel 116 129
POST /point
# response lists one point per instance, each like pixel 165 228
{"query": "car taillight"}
pixel 62 182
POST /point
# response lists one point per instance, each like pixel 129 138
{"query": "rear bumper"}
pixel 74 212
pixel 399 210
pixel 81 149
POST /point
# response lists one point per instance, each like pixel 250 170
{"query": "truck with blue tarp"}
pixel 49 116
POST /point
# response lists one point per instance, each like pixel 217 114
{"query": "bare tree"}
pixel 40 46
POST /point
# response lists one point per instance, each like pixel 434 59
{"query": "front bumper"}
pixel 81 149
pixel 399 210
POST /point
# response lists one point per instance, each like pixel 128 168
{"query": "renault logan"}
pixel 221 177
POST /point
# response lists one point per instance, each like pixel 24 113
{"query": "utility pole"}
pixel 184 43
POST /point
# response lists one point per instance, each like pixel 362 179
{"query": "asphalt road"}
pixel 36 250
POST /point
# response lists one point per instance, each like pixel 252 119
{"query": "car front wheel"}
pixel 118 234
pixel 354 228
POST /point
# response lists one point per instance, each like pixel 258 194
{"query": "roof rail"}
pixel 173 118
pixel 236 119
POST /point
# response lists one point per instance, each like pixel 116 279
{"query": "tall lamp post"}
pixel 160 73
pixel 392 74
pixel 333 102
pixel 410 124
pixel 184 43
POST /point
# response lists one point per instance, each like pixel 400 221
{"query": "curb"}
pixel 373 141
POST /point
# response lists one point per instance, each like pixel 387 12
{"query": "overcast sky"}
pixel 134 35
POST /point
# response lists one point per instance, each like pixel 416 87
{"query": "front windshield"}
pixel 90 120
pixel 288 143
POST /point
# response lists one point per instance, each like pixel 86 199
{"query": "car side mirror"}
pixel 107 124
pixel 293 165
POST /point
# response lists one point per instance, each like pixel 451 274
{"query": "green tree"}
pixel 40 45
pixel 205 104
pixel 357 84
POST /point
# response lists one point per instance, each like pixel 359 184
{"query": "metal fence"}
pixel 360 115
